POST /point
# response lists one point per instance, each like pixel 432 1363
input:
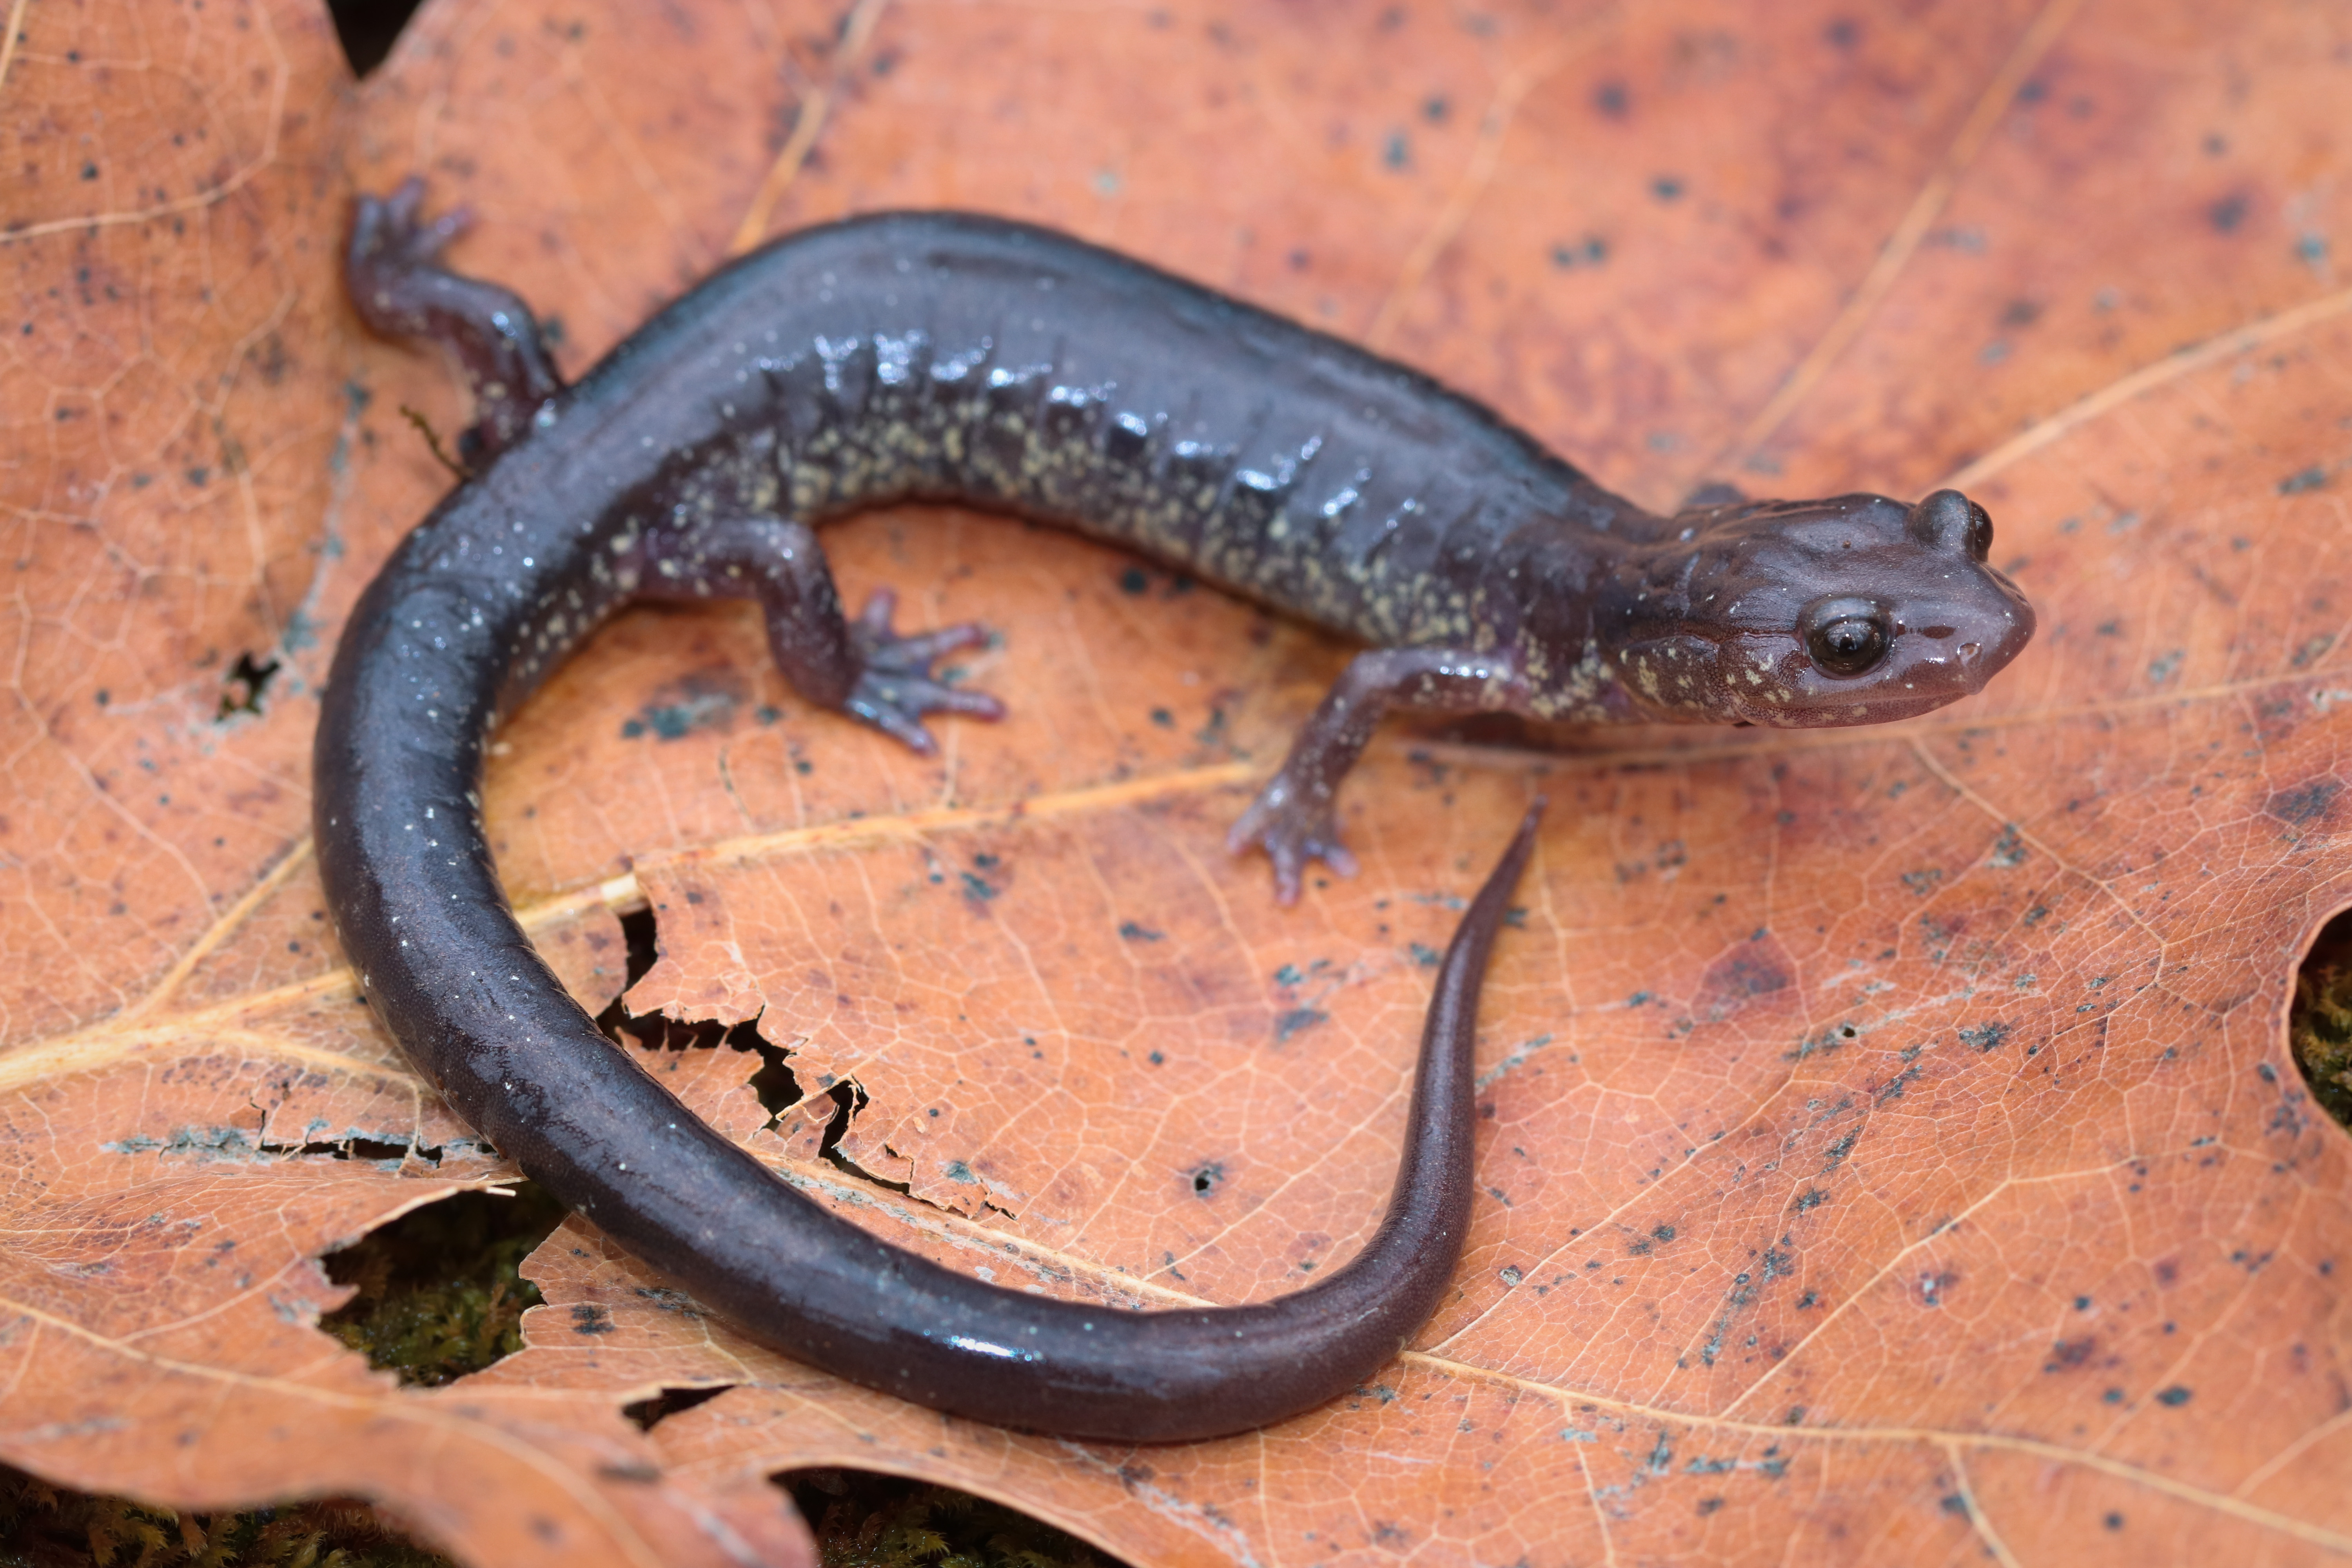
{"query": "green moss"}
pixel 44 1527
pixel 865 1521
pixel 2320 1026
pixel 440 1291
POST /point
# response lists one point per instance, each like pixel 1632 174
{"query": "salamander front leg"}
pixel 1293 815
pixel 392 273
pixel 860 667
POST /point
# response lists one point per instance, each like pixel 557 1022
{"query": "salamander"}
pixel 949 357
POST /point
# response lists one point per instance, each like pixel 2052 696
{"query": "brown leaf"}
pixel 1891 1135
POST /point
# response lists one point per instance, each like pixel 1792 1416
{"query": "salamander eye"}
pixel 1845 637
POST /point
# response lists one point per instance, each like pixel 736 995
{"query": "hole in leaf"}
pixel 241 692
pixel 778 1089
pixel 440 1288
pixel 368 29
pixel 863 1518
pixel 774 1081
pixel 849 1098
pixel 651 1413
pixel 2319 1023
pixel 638 931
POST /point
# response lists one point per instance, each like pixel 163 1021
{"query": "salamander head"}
pixel 1853 610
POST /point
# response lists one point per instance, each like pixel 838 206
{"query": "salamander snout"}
pixel 1853 610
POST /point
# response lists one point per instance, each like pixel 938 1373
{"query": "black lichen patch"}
pixel 440 1291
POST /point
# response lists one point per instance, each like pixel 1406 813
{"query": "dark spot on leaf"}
pixel 1591 251
pixel 2304 804
pixel 2067 1354
pixel 1297 1019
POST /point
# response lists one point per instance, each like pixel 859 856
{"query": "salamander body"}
pixel 946 357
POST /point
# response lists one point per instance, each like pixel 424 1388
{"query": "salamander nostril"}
pixel 1938 633
pixel 1967 652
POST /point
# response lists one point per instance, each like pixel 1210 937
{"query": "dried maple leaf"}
pixel 1891 1145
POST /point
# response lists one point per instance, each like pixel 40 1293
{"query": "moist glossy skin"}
pixel 940 356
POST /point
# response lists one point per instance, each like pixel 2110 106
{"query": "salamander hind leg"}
pixel 392 272
pixel 864 668
pixel 1294 816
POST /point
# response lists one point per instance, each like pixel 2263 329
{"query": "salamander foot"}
pixel 894 685
pixel 1294 826
pixel 392 271
pixel 387 236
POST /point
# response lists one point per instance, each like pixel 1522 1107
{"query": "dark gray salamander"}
pixel 970 358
